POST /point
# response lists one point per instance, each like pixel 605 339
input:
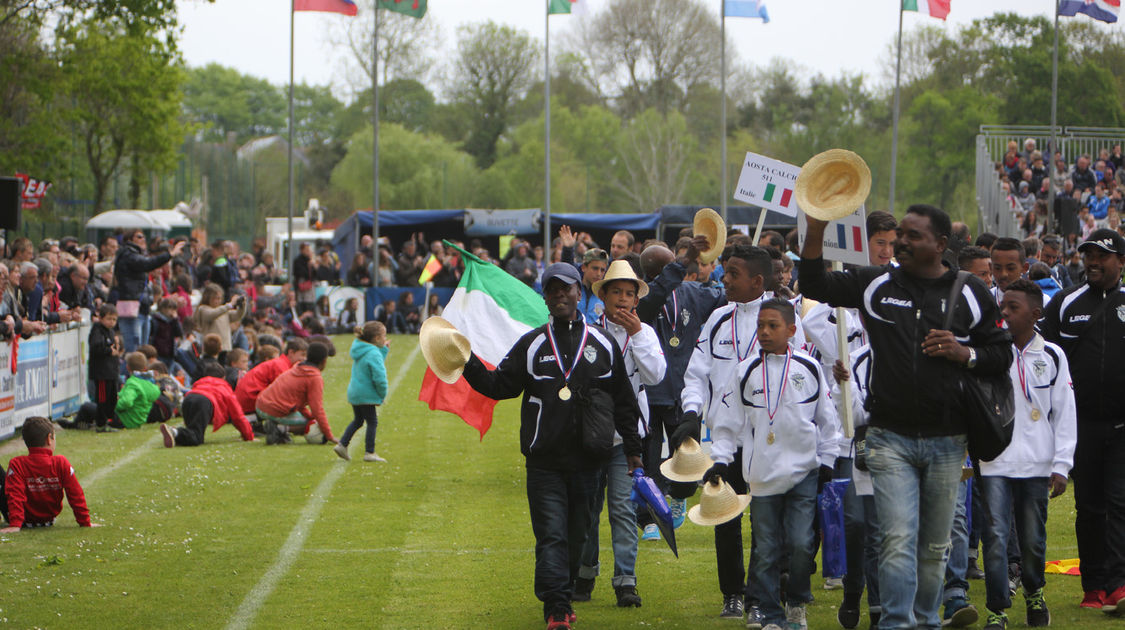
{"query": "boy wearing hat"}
pixel 644 364
pixel 779 411
pixel 1088 322
pixel 569 372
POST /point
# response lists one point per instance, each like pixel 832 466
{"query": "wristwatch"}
pixel 972 362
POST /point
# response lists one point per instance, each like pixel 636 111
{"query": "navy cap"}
pixel 1106 239
pixel 561 271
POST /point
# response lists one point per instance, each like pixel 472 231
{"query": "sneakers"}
pixel 732 607
pixel 773 626
pixel 1115 601
pixel 169 435
pixel 833 584
pixel 755 619
pixel 341 449
pixel 583 590
pixel 1037 614
pixel 795 618
pixel 848 615
pixel 974 572
pixel 627 597
pixel 558 622
pixel 372 457
pixel 996 621
pixel 273 436
pixel 959 613
pixel 875 615
pixel 652 532
pixel 679 511
pixel 1093 599
pixel 106 429
pixel 1014 577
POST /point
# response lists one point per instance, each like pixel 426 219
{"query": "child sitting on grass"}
pixel 367 388
pixel 210 401
pixel 36 482
pixel 135 400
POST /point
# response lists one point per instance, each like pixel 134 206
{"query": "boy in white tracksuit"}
pixel 644 364
pixel 781 414
pixel 728 336
pixel 1034 466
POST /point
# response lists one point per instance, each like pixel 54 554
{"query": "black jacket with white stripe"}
pixel 550 431
pixel 911 393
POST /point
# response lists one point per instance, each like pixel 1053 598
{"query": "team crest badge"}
pixel 1040 366
pixel 686 316
pixel 590 353
pixel 1121 312
pixel 798 381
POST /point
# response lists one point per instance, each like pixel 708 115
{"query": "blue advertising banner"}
pixel 32 379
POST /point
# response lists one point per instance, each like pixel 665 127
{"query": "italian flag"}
pixel 493 309
pixel 575 7
pixel 935 8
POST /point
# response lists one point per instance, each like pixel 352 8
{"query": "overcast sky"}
pixel 825 36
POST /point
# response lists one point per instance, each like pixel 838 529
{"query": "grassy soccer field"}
pixel 236 535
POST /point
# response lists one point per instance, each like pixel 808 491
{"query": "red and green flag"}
pixel 575 7
pixel 934 8
pixel 413 8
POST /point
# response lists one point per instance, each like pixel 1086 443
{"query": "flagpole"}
pixel 375 253
pixel 289 254
pixel 894 131
pixel 723 109
pixel 547 128
pixel 1054 119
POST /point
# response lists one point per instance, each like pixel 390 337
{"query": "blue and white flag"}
pixel 747 9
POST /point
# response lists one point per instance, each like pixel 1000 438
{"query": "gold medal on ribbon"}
pixel 1034 414
pixel 769 438
pixel 674 341
pixel 564 393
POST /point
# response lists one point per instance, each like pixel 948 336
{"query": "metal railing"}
pixel 994 210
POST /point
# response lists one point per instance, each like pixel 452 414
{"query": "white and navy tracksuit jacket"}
pixel 644 365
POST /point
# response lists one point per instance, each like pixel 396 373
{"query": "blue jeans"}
pixel 364 414
pixel 861 538
pixel 559 502
pixel 614 479
pixel 134 331
pixel 1029 499
pixel 915 481
pixel 783 523
pixel 956 584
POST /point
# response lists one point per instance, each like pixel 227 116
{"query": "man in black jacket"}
pixel 559 368
pixel 130 270
pixel 1088 322
pixel 917 440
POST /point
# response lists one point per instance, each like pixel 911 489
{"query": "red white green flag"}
pixel 575 7
pixel 935 8
pixel 493 309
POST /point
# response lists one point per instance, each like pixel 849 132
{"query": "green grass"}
pixel 439 537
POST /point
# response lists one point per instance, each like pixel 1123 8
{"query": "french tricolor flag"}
pixel 1104 10
pixel 347 7
pixel 854 244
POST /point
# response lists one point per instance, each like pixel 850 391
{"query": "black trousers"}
pixel 197 411
pixel 728 539
pixel 1099 499
pixel 105 395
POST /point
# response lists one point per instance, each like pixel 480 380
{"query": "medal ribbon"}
pixel 577 352
pixel 1025 385
pixel 674 318
pixel 734 336
pixel 784 382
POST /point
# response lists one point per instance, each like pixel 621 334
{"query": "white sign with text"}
pixel 768 183
pixel 845 239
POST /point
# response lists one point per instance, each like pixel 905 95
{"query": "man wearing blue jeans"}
pixel 917 438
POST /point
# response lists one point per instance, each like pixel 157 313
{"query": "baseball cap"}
pixel 561 271
pixel 1107 240
pixel 593 254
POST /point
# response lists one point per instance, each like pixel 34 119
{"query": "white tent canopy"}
pixel 127 220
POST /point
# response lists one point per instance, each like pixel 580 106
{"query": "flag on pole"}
pixel 347 7
pixel 433 266
pixel 413 8
pixel 746 9
pixel 935 8
pixel 1104 10
pixel 575 7
pixel 493 309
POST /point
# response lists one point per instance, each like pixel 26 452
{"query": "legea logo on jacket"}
pixel 896 302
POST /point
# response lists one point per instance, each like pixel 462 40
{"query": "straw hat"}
pixel 621 270
pixel 688 463
pixel 832 184
pixel 718 504
pixel 446 350
pixel 708 223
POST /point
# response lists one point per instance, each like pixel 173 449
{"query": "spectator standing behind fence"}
pixel 131 275
pixel 302 277
pixel 521 265
pixel 358 273
pixel 327 268
pixel 74 287
pixel 213 316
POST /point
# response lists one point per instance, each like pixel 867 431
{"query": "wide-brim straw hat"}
pixel 718 503
pixel 708 223
pixel 446 350
pixel 688 463
pixel 832 184
pixel 621 270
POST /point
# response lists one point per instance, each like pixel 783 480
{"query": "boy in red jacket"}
pixel 210 401
pixel 258 379
pixel 294 403
pixel 36 482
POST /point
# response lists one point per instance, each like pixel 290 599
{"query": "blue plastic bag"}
pixel 830 506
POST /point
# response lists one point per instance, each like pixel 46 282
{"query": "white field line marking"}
pixel 289 551
pixel 101 473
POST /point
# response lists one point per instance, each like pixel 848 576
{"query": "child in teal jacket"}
pixel 367 389
pixel 136 398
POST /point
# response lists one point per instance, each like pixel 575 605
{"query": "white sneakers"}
pixel 795 618
pixel 342 451
pixel 169 435
pixel 373 457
